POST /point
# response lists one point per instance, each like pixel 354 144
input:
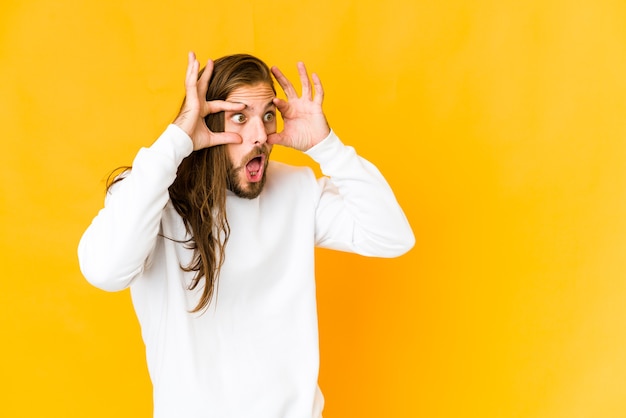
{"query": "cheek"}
pixel 234 154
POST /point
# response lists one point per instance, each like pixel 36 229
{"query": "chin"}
pixel 248 190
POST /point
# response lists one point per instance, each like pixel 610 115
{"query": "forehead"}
pixel 248 95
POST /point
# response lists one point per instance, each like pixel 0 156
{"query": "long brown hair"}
pixel 199 191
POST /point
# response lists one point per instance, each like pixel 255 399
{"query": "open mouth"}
pixel 255 167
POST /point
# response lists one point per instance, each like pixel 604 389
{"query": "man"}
pixel 216 242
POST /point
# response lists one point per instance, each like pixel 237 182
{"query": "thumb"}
pixel 221 138
pixel 276 138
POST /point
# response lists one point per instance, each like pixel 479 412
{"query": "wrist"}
pixel 183 122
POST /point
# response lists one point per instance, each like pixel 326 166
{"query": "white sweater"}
pixel 254 352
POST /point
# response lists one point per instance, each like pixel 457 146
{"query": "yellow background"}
pixel 500 125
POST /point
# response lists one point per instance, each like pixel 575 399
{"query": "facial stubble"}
pixel 237 181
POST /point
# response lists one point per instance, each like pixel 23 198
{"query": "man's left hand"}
pixel 304 122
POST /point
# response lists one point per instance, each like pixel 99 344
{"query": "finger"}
pixel 191 57
pixel 215 106
pixel 319 90
pixel 191 77
pixel 304 81
pixel 281 105
pixel 205 77
pixel 221 138
pixel 192 64
pixel 286 85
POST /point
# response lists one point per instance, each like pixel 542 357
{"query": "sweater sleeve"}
pixel 114 248
pixel 357 210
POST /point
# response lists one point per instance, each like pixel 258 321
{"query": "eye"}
pixel 268 117
pixel 238 118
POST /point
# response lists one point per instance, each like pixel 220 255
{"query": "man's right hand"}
pixel 195 108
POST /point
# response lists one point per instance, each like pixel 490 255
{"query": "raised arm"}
pixel 357 210
pixel 115 247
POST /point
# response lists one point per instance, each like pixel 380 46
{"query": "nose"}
pixel 257 133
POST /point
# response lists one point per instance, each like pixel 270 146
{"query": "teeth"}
pixel 253 173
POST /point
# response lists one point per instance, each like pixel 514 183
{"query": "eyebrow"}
pixel 269 104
